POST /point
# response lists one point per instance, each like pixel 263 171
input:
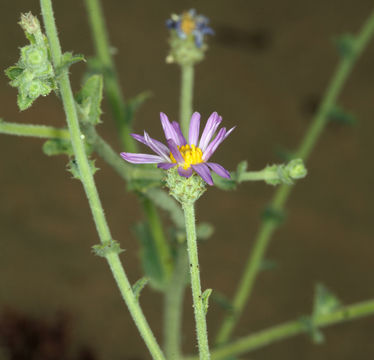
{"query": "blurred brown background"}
pixel 266 69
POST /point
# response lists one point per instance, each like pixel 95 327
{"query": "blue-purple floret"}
pixel 175 139
pixel 202 27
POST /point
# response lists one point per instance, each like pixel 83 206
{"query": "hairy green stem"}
pixel 201 328
pixel 173 310
pixel 123 116
pixel 269 225
pixel 187 80
pixel 39 131
pixel 89 184
pixel 258 175
pixel 112 86
pixel 289 329
pixel 125 171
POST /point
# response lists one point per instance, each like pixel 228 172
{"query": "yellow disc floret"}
pixel 191 155
pixel 187 23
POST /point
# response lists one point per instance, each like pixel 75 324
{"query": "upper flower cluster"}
pixel 187 156
pixel 189 24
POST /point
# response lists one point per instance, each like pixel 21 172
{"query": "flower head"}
pixel 189 24
pixel 189 157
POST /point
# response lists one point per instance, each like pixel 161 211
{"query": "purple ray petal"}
pixel 174 150
pixel 212 147
pixel 157 148
pixel 230 131
pixel 142 158
pixel 219 170
pixel 141 139
pixel 177 128
pixel 210 128
pixel 203 171
pixel 168 129
pixel 166 166
pixel 193 135
pixel 185 172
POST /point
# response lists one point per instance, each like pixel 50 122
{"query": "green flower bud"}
pixel 29 23
pixel 38 88
pixel 184 190
pixel 296 169
pixel 35 59
pixel 184 52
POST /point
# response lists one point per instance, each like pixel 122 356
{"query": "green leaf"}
pixel 222 183
pixel 167 203
pixel 142 185
pixel 240 170
pixel 284 154
pixel 89 99
pixel 325 302
pixel 272 214
pixel 267 264
pixel 338 114
pixel 58 147
pixel 139 286
pixel 313 331
pixel 204 230
pixel 345 44
pixel 134 103
pixel 107 248
pixel 72 167
pixel 222 301
pixel 149 257
pixel 13 72
pixel 24 102
pixel 69 59
pixel 205 299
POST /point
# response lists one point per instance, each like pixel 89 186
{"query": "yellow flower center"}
pixel 191 155
pixel 187 23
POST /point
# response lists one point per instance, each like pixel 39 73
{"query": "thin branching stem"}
pixel 123 117
pixel 89 184
pixel 289 329
pixel 269 225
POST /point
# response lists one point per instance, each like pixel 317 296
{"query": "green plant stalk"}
pixel 103 149
pixel 126 171
pixel 173 306
pixel 201 328
pixel 123 119
pixel 112 86
pixel 89 184
pixel 158 236
pixel 39 131
pixel 281 195
pixel 289 329
pixel 186 96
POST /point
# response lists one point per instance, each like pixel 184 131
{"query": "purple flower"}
pixel 188 157
pixel 190 24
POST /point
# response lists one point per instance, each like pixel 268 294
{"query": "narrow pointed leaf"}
pixel 89 99
pixel 139 286
pixel 205 299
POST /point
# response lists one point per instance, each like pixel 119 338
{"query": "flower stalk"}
pixel 186 96
pixel 112 86
pixel 199 311
pixel 89 184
